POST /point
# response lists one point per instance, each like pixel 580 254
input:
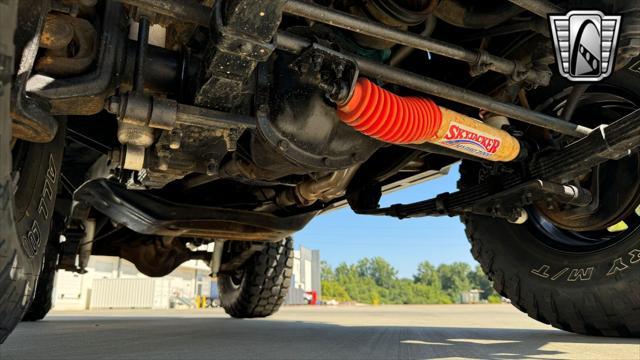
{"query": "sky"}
pixel 342 236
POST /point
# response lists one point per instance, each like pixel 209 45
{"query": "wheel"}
pixel 577 269
pixel 26 210
pixel 42 301
pixel 28 186
pixel 259 287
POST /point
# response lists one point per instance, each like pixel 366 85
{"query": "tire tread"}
pixel 265 285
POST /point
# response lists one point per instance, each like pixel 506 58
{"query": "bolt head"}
pixel 113 105
pixel 212 168
pixel 520 216
pixel 163 165
pixel 283 145
pixel 175 139
pixel 245 49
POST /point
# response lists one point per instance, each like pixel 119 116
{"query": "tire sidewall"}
pixel 32 209
pixel 517 248
pixel 36 194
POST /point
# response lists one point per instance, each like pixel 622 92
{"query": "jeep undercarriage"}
pixel 237 122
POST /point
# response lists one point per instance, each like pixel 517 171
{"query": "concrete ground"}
pixel 306 332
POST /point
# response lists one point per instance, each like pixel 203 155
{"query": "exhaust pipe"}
pixel 387 117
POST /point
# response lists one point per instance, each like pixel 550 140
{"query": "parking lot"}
pixel 308 332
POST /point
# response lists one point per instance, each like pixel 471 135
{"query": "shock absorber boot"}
pixel 387 117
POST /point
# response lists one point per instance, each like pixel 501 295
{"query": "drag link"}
pixel 389 74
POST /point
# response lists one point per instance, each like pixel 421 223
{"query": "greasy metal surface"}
pixel 198 116
pixel 542 8
pixel 475 15
pixel 147 214
pixel 195 139
pixel 349 22
pixel 186 150
pixel 629 43
pixel 243 32
pixel 185 10
pixel 153 256
pixel 162 73
pixel 303 132
pixel 192 12
pixel 326 188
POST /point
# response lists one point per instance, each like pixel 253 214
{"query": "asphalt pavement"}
pixel 309 332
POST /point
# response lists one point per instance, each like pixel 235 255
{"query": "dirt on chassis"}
pixel 144 129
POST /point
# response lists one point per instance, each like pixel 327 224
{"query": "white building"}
pixel 306 270
pixel 73 291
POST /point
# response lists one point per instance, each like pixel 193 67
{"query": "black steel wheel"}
pixel 577 269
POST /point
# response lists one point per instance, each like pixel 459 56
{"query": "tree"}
pixel 326 272
pixel 375 281
pixel 332 290
pixel 454 278
pixel 344 272
pixel 406 291
pixel 427 275
pixel 479 281
pixel 378 269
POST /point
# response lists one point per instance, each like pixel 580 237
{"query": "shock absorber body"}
pixel 387 117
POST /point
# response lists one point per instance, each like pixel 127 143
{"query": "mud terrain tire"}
pixel 27 196
pixel 261 285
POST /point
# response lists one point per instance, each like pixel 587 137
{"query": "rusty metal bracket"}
pixel 86 94
pixel 59 31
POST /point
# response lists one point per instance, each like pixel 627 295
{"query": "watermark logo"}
pixel 585 43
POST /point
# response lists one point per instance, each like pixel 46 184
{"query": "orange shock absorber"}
pixel 387 117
